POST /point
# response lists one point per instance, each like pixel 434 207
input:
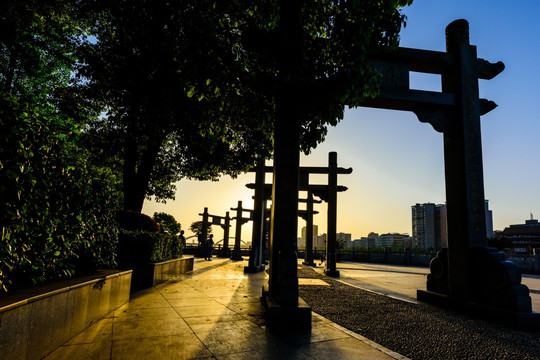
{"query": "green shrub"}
pixel 142 247
pixel 56 209
pixel 167 223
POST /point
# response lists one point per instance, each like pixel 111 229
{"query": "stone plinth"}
pixel 148 275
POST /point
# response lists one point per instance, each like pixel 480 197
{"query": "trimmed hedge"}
pixel 132 220
pixel 142 247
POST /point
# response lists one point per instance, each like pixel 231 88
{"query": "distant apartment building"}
pixel 301 241
pixel 429 229
pixel 394 240
pixel 366 242
pixel 524 237
pixel 319 242
pixel 346 238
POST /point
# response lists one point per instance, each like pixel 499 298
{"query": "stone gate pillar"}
pixel 330 268
pixel 463 161
pixel 309 231
pixel 204 233
pixel 256 254
pixel 236 255
pixel 225 251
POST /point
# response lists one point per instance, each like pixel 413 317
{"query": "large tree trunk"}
pixel 138 171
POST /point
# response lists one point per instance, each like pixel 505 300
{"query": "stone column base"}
pixel 253 269
pixel 279 317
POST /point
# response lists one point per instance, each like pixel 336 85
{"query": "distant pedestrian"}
pixel 182 239
pixel 209 247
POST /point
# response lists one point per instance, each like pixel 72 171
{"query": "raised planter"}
pixel 148 275
pixel 35 322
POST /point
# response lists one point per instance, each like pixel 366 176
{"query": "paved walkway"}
pixel 401 282
pixel 212 313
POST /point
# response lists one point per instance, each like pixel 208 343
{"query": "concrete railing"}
pixel 32 327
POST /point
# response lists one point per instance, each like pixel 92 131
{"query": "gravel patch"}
pixel 418 331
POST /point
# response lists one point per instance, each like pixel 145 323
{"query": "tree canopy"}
pixel 190 88
pixel 168 75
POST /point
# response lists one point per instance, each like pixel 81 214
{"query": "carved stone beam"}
pixel 304 214
pixel 487 70
pixel 311 170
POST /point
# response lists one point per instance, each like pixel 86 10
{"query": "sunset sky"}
pixel 397 161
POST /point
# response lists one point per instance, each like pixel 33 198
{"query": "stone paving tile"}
pixel 217 309
pixel 97 332
pixel 239 325
pixel 251 308
pixel 231 341
pixel 127 313
pixel 150 301
pixel 237 298
pixel 178 347
pixel 211 319
pixel 94 351
pixel 284 352
pixel 181 293
pixel 193 301
pixel 343 349
pixel 149 328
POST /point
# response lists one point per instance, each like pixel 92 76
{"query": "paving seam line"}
pixel 365 340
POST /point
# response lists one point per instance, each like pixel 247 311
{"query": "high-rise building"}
pixel 315 231
pixel 429 228
pixel 489 221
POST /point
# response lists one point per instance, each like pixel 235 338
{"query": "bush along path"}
pixel 418 331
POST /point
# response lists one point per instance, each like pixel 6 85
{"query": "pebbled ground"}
pixel 418 331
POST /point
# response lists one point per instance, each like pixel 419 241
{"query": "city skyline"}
pixel 398 161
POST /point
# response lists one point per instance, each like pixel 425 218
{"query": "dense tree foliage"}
pixel 56 206
pixel 196 227
pixel 38 39
pixel 56 209
pixel 169 76
pixel 167 223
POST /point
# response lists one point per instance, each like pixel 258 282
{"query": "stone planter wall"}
pixel 152 274
pixel 32 327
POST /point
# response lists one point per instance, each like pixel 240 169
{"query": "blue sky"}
pixel 397 161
